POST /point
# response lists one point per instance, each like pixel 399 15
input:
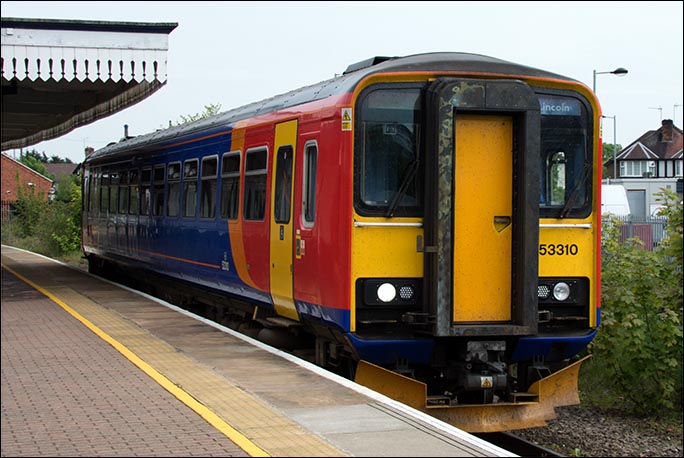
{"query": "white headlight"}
pixel 561 291
pixel 387 292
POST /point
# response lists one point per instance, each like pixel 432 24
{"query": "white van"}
pixel 614 200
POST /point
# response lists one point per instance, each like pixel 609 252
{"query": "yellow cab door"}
pixel 481 223
pixel 482 209
pixel 281 240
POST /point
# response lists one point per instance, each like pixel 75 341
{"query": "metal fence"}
pixel 7 209
pixel 651 230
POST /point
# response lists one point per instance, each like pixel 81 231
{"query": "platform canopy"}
pixel 59 74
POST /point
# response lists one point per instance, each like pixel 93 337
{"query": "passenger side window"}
pixel 230 185
pixel 123 192
pixel 190 188
pixel 283 185
pixel 255 184
pixel 95 191
pixel 309 185
pixel 104 192
pixel 134 192
pixel 145 191
pixel 208 187
pixel 173 185
pixel 158 190
pixel 113 192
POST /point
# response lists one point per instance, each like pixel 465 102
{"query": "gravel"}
pixel 585 431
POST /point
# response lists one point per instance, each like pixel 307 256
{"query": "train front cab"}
pixel 449 256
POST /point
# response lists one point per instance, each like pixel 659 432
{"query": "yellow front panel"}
pixel 566 252
pixel 570 251
pixel 386 251
pixel 483 185
pixel 282 269
pixel 380 251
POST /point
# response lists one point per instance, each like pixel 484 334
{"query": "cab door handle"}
pixel 501 222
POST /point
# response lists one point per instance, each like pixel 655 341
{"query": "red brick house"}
pixel 16 176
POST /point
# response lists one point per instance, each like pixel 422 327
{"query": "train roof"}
pixel 438 62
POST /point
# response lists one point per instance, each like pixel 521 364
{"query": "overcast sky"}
pixel 234 53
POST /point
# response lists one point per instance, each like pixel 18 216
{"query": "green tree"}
pixel 64 187
pixel 40 157
pixel 34 161
pixel 54 159
pixel 209 110
pixel 608 149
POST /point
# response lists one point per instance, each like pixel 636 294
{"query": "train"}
pixel 427 225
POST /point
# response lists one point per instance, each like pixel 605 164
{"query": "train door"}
pixel 481 206
pixel 281 234
pixel 482 218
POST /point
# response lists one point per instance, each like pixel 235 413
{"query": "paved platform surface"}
pixel 93 369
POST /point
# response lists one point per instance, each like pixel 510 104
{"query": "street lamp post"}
pixel 620 71
pixel 617 72
pixel 614 118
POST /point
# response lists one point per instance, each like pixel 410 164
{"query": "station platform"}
pixel 91 368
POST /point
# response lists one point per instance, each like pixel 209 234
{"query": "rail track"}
pixel 517 445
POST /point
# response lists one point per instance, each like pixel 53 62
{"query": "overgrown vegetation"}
pixel 49 228
pixel 637 355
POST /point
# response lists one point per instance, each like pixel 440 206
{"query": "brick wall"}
pixel 10 185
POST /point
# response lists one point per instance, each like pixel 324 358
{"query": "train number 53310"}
pixel 558 249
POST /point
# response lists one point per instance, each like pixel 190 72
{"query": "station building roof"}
pixel 60 74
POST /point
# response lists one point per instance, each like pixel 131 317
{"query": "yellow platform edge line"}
pixel 217 422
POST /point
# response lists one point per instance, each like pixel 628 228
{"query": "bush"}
pixel 30 208
pixel 52 229
pixel 637 354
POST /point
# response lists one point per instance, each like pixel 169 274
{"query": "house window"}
pixel 634 168
pixel 678 168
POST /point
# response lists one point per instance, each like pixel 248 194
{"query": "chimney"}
pixel 89 150
pixel 666 131
pixel 126 131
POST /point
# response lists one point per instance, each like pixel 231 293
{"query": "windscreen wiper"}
pixel 576 190
pixel 399 194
